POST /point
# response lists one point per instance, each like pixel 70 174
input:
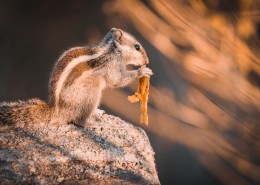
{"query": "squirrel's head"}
pixel 129 49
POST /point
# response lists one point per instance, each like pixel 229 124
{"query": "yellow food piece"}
pixel 142 95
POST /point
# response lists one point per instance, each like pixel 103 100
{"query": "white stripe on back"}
pixel 68 70
pixel 66 52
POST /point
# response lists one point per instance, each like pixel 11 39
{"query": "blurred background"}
pixel 204 103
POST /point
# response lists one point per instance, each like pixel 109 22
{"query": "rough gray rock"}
pixel 108 151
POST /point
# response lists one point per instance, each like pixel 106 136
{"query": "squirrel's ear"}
pixel 117 35
pixel 114 35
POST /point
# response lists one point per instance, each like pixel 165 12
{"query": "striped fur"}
pixel 69 69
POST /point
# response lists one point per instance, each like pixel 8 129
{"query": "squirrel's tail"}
pixel 22 113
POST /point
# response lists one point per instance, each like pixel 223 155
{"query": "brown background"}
pixel 204 101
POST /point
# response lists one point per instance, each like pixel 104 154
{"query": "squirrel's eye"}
pixel 137 47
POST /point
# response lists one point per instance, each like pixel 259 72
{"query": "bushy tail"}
pixel 21 113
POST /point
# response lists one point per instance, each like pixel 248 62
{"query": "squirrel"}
pixel 77 81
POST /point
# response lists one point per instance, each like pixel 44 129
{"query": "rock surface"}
pixel 108 151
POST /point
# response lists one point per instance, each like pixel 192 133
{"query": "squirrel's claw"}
pixel 145 71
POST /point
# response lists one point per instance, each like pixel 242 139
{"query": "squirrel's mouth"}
pixel 131 67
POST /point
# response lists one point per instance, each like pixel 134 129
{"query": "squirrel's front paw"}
pixel 144 71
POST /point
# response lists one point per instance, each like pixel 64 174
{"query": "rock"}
pixel 107 151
